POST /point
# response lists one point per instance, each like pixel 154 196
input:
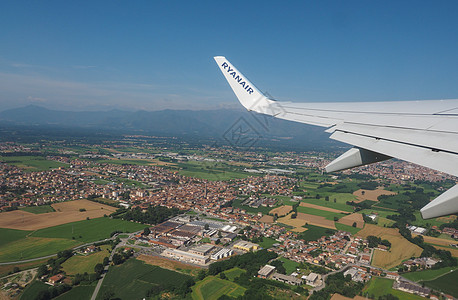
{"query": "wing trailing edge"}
pixel 421 132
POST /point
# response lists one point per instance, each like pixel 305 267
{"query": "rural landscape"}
pixel 126 219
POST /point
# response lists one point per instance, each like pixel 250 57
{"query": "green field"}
pixel 382 286
pixel 428 274
pixel 211 288
pixel 10 235
pixel 83 231
pixel 289 265
pixel 85 263
pixel 32 163
pixel 267 242
pixel 133 279
pixel 78 292
pixel 233 273
pixel 38 209
pixel 32 247
pixel 33 289
pixel 211 170
pixel 318 212
pixel 445 283
pixel 347 228
pixel 314 232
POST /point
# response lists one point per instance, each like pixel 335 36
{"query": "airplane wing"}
pixel 421 132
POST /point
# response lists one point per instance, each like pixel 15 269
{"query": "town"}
pixel 228 203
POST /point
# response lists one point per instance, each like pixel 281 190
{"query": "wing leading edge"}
pixel 421 132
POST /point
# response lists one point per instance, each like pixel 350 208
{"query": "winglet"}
pixel 250 97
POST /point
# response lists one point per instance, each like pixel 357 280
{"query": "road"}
pixel 105 270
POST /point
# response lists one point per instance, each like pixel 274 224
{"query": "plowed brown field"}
pixel 66 212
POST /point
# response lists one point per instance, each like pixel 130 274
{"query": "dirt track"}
pixel 66 212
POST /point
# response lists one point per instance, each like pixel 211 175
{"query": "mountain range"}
pixel 222 124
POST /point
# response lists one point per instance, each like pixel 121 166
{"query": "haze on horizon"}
pixel 158 55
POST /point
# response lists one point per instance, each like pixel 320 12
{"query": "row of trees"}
pixel 152 215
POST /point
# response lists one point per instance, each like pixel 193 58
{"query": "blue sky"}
pixel 152 55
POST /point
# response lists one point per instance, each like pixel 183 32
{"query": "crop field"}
pixel 340 203
pixel 401 249
pixel 169 264
pixel 428 274
pixel 382 286
pixel 10 235
pixel 319 207
pixel 445 283
pixel 134 278
pixel 38 209
pixel 295 223
pixel 65 212
pixel 32 163
pixel 233 273
pixel 282 210
pixel 318 212
pixel 211 288
pixel 371 195
pixel 351 219
pixel 83 231
pixel 316 220
pixel 347 228
pixel 78 292
pixel 32 247
pixel 85 263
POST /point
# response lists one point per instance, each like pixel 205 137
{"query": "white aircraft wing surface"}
pixel 421 132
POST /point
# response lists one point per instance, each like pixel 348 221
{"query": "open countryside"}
pixel 65 212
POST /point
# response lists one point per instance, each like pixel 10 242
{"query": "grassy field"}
pixel 33 289
pixel 382 286
pixel 38 209
pixel 445 283
pixel 10 235
pixel 313 233
pixel 134 278
pixel 211 288
pixel 351 229
pixel 267 242
pixel 32 247
pixel 78 292
pixel 289 265
pixel 233 273
pixel 428 274
pixel 318 212
pixel 80 263
pixel 211 170
pixel 32 163
pixel 83 231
